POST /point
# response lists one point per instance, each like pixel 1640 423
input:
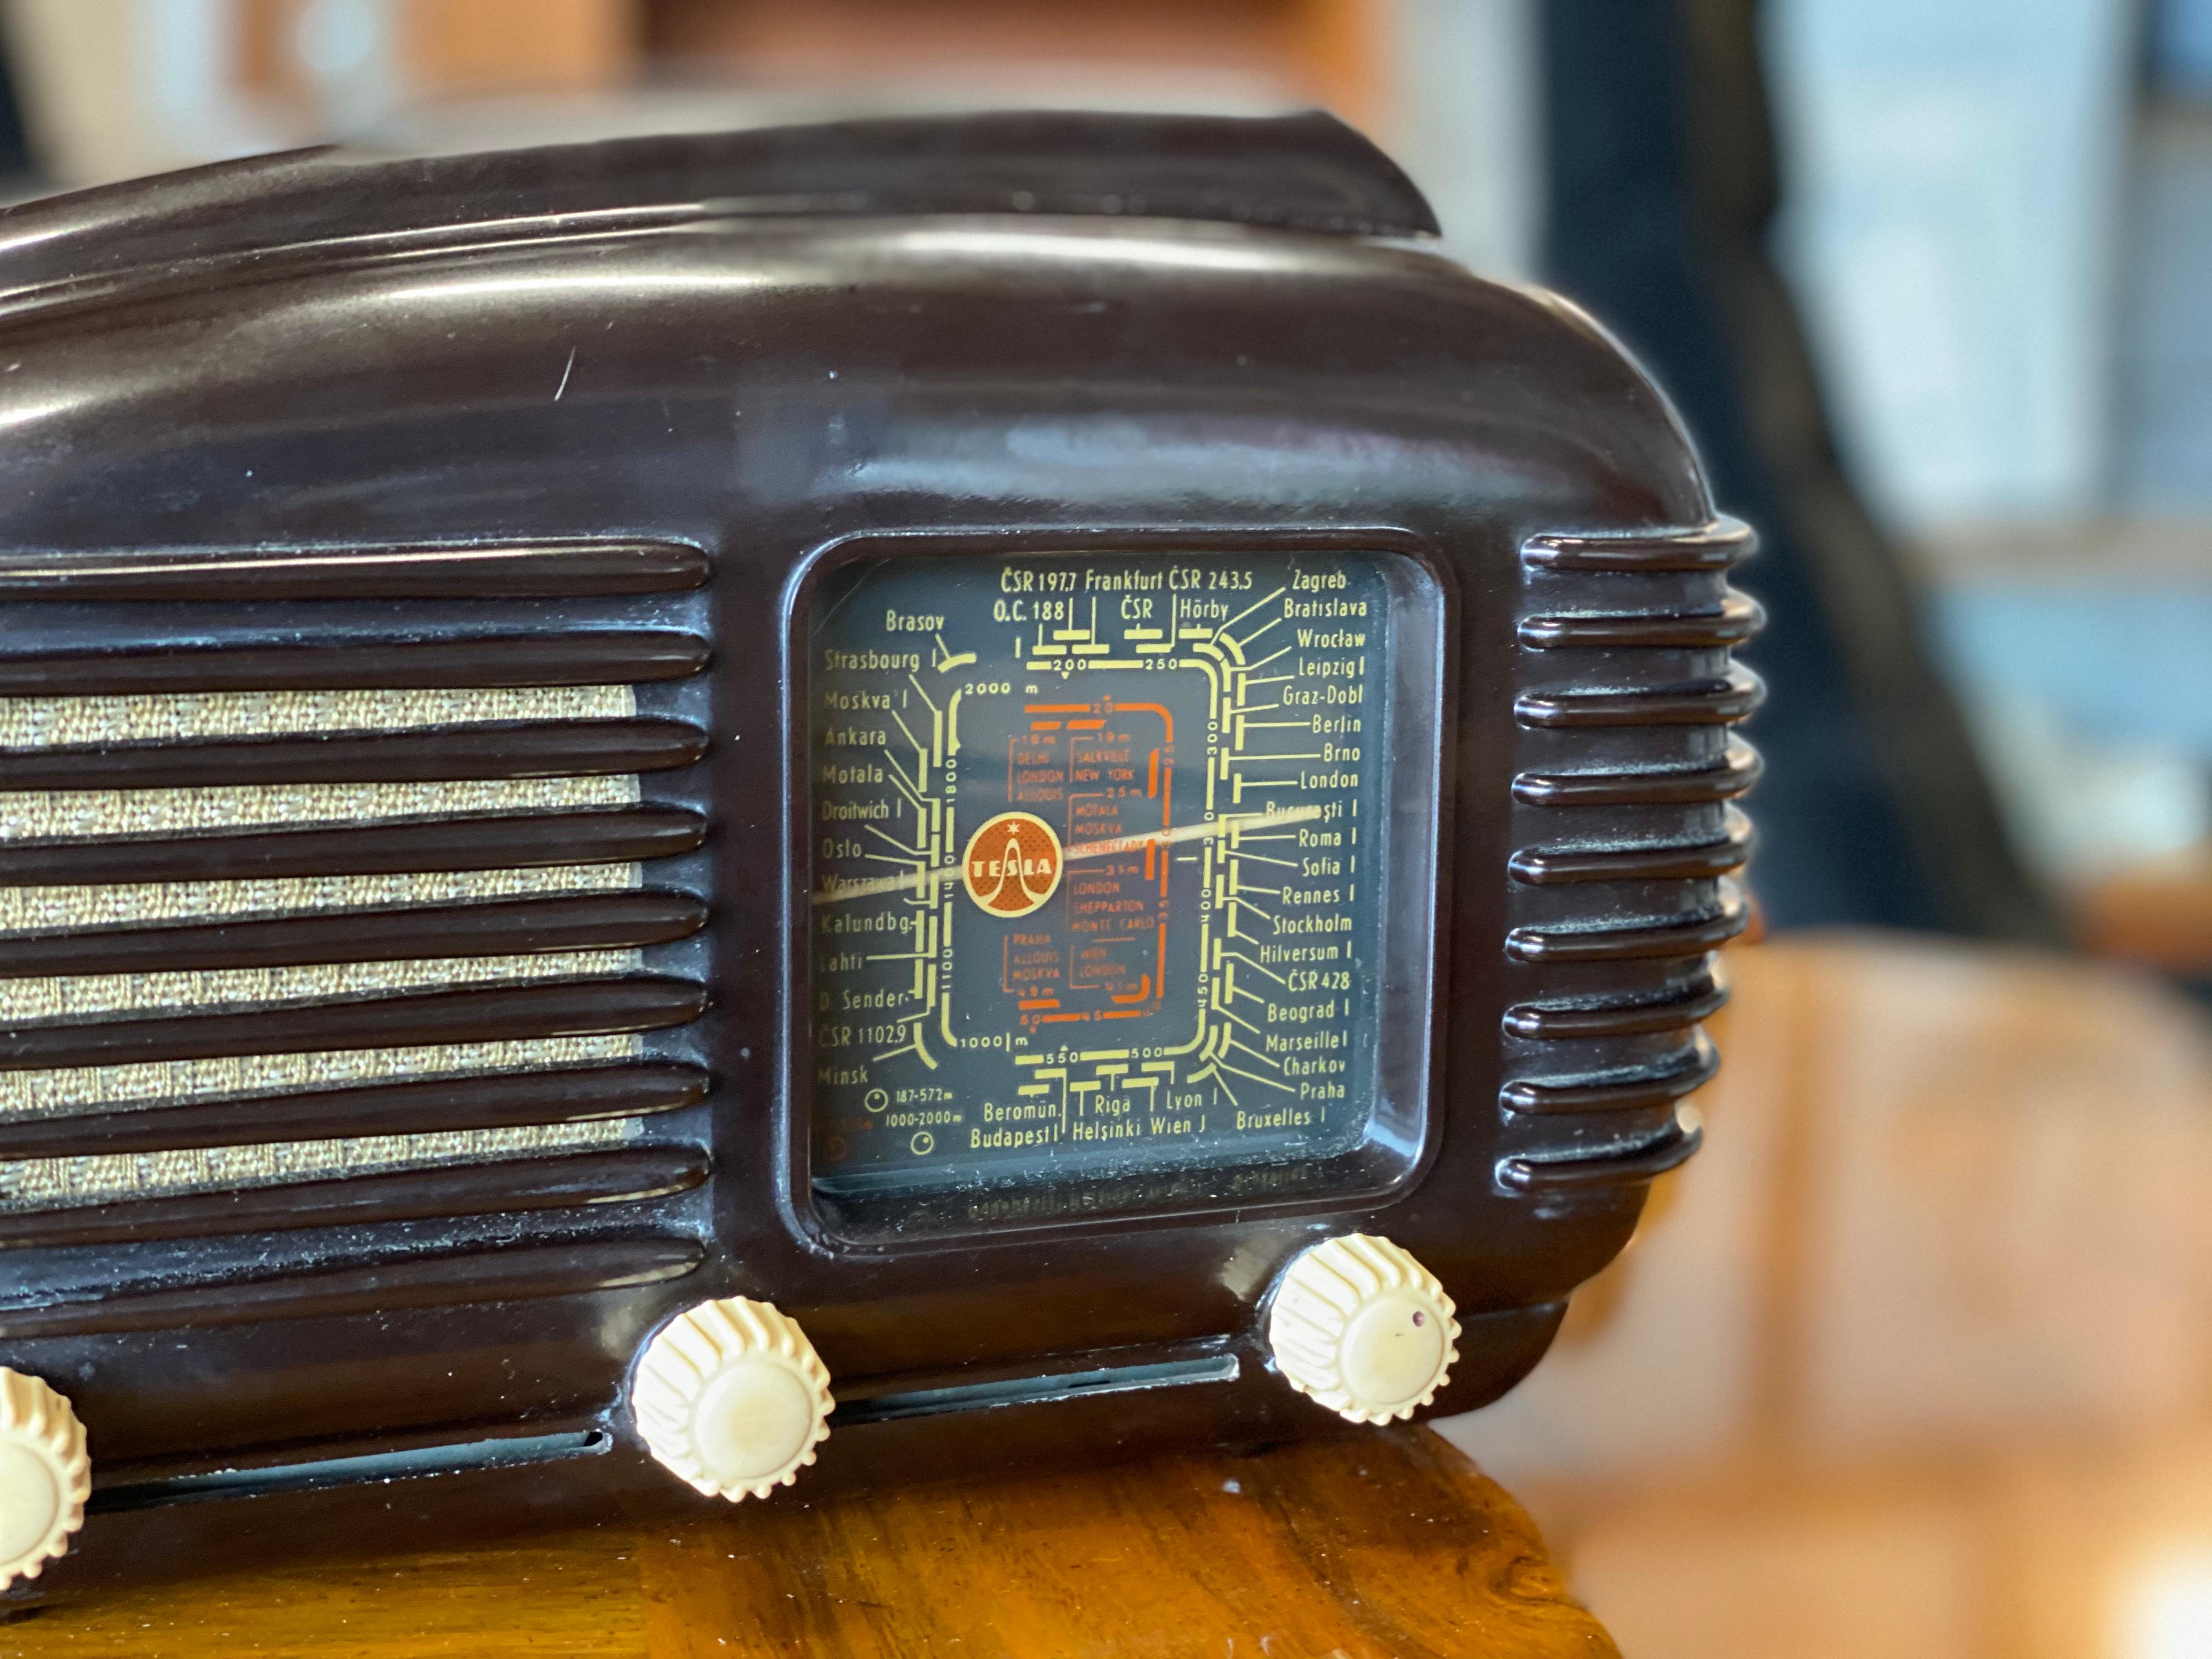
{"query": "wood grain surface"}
pixel 1914 1360
pixel 1387 1546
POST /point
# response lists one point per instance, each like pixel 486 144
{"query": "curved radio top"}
pixel 1306 171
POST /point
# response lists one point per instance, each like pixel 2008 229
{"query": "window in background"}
pixel 2004 238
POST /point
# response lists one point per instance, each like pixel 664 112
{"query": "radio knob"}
pixel 45 1475
pixel 1365 1329
pixel 731 1397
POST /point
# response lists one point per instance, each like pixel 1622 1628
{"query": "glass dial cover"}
pixel 1100 855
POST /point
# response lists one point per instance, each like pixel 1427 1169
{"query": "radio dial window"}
pixel 1105 861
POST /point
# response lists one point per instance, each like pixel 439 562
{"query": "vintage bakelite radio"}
pixel 834 804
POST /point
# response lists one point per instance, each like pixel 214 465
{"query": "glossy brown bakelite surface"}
pixel 577 409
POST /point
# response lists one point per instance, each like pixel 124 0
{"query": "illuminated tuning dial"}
pixel 1362 1329
pixel 44 1476
pixel 731 1397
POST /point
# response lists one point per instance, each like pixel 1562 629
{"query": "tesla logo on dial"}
pixel 1012 864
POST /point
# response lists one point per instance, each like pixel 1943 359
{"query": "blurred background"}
pixel 1916 1358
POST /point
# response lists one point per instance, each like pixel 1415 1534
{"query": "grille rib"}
pixel 1695 786
pixel 575 922
pixel 564 1008
pixel 539 749
pixel 482 1099
pixel 542 570
pixel 510 1187
pixel 381 926
pixel 568 1269
pixel 1542 866
pixel 537 841
pixel 1717 702
pixel 603 657
pixel 1621 887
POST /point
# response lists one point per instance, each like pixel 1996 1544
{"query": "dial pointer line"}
pixel 876 887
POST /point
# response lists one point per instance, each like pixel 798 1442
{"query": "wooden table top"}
pixel 1387 1546
pixel 1915 1358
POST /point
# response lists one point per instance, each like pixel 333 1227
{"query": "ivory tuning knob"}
pixel 1362 1328
pixel 44 1476
pixel 731 1397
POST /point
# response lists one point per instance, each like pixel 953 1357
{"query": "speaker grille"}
pixel 377 950
pixel 1620 889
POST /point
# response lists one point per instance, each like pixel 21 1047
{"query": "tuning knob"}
pixel 44 1476
pixel 1362 1328
pixel 731 1397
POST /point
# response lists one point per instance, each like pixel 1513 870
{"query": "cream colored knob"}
pixel 44 1476
pixel 1364 1328
pixel 731 1397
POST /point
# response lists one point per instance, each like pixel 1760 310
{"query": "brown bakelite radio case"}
pixel 835 805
